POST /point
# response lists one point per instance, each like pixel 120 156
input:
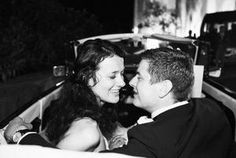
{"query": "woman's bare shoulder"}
pixel 82 135
pixel 85 126
pixel 85 120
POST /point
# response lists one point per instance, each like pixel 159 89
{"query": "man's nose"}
pixel 133 82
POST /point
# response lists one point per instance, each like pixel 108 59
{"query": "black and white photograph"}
pixel 118 79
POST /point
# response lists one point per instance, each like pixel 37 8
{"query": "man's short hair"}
pixel 173 65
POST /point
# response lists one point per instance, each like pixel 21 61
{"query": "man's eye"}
pixel 112 77
pixel 139 78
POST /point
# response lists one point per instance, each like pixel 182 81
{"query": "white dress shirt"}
pixel 159 111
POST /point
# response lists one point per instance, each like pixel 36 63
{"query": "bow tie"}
pixel 144 119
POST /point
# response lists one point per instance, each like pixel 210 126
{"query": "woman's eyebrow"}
pixel 114 72
pixel 117 71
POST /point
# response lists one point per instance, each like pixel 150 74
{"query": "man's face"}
pixel 145 93
pixel 109 79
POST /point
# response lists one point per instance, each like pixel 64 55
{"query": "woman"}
pixel 79 121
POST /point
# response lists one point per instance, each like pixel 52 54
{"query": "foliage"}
pixel 34 34
pixel 159 18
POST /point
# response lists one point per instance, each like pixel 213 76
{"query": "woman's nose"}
pixel 121 82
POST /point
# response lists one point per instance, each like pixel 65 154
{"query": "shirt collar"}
pixel 159 111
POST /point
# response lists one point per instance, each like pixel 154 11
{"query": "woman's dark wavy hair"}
pixel 76 98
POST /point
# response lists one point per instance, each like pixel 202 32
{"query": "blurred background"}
pixel 176 17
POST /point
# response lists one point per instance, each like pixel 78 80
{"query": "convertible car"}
pixel 135 44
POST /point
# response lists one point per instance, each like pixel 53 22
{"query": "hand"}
pixel 2 139
pixel 15 125
pixel 117 142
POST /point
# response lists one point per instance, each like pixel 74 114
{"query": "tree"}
pixel 159 18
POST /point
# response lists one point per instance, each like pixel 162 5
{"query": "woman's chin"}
pixel 113 100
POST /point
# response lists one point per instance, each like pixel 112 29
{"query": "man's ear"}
pixel 165 88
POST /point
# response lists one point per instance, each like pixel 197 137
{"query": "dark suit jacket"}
pixel 35 139
pixel 196 130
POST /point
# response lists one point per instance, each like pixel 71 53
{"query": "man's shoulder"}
pixel 207 105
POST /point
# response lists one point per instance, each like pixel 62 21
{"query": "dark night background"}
pixel 116 16
pixel 35 33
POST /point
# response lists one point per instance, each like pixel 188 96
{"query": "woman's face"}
pixel 109 79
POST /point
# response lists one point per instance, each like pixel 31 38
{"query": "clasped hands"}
pixel 117 141
pixel 15 125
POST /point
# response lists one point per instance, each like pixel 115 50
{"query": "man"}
pixel 181 127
